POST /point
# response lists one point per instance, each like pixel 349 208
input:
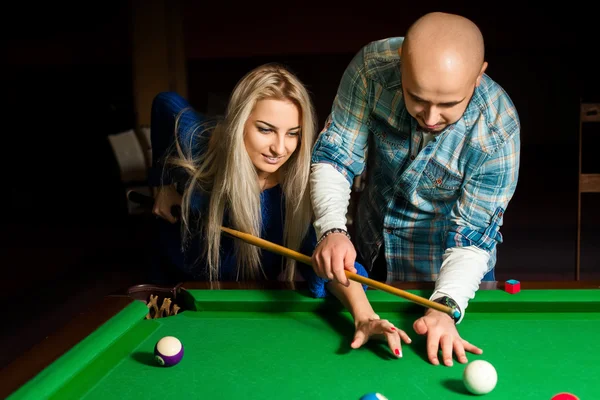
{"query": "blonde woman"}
pixel 248 171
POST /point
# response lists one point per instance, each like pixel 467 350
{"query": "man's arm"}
pixel 460 275
pixel 340 151
pixel 330 197
pixel 476 221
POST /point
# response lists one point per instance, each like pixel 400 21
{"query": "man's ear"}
pixel 483 68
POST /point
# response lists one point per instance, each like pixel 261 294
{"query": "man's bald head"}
pixel 442 61
pixel 448 42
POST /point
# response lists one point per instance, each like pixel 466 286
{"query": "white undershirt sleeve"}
pixel 462 270
pixel 330 196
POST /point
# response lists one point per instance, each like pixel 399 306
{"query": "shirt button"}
pixel 500 214
pixel 438 181
pixel 412 157
pixel 388 230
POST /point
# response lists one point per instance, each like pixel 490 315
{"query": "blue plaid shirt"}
pixel 418 202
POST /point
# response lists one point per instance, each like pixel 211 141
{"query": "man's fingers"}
pixel 333 257
pixel 459 350
pixel 433 342
pixel 325 266
pixel 446 344
pixel 337 266
pixel 349 265
pixel 317 264
pixel 420 326
pixel 349 261
pixel 471 348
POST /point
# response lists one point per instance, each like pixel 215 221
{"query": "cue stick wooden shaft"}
pixel 284 251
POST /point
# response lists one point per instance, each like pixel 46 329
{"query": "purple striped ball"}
pixel 168 351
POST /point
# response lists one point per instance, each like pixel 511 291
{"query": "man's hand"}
pixel 165 198
pixel 382 329
pixel 441 332
pixel 334 254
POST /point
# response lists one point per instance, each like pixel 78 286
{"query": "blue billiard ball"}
pixel 168 351
pixel 373 396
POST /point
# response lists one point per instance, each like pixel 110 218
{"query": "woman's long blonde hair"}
pixel 225 171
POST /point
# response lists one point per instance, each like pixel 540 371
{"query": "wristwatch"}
pixel 449 302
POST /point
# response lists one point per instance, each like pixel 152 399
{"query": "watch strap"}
pixel 449 302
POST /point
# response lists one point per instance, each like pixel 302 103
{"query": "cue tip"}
pixel 456 314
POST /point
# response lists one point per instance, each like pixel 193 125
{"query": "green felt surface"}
pixel 282 344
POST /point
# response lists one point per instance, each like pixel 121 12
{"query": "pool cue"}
pixel 143 199
pixel 284 251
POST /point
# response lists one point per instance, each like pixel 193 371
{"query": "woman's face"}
pixel 272 134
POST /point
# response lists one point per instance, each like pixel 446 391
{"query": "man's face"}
pixel 436 99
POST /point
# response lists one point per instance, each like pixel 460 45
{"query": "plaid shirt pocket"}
pixel 439 183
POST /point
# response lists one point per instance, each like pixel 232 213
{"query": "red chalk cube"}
pixel 512 286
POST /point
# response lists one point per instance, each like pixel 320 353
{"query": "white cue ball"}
pixel 480 377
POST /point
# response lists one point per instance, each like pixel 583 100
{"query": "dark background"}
pixel 66 236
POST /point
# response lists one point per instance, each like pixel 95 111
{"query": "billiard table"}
pixel 251 341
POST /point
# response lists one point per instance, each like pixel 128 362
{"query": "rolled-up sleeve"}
pixel 343 141
pixel 478 214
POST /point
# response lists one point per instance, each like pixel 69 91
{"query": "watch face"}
pixel 447 301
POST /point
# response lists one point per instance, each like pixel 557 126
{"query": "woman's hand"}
pixel 382 329
pixel 165 198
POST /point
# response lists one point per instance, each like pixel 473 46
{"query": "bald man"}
pixel 439 141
